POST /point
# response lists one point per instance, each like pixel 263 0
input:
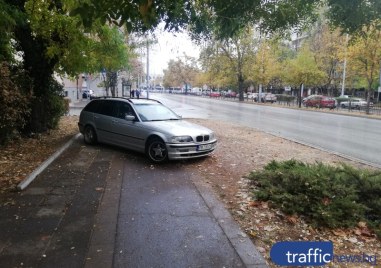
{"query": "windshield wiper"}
pixel 164 119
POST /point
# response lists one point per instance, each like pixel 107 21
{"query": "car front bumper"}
pixel 186 151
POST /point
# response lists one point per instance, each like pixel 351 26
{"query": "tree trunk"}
pixel 240 87
pixel 367 108
pixel 40 69
pixel 300 96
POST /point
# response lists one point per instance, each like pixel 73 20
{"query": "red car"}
pixel 215 94
pixel 230 94
pixel 319 101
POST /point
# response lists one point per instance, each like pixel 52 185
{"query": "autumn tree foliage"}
pixel 327 46
pixel 364 58
pixel 40 38
pixel 180 72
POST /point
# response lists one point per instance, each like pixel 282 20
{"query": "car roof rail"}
pixel 127 99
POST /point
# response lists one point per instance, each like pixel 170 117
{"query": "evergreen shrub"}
pixel 330 196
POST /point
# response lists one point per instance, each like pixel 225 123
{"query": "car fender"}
pixel 92 125
pixel 153 135
pixel 89 122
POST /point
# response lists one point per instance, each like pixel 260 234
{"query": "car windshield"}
pixel 155 112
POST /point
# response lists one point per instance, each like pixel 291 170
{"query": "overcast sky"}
pixel 169 46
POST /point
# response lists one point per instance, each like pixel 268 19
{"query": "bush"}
pixel 326 195
pixel 14 104
pixel 369 192
pixel 285 98
pixel 47 109
pixel 66 105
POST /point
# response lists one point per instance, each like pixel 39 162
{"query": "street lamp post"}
pixel 147 84
pixel 345 67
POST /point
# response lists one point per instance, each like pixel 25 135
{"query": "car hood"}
pixel 178 128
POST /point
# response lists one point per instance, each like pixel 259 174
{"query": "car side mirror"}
pixel 129 117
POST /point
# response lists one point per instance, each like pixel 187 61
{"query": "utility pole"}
pixel 261 68
pixel 147 67
pixel 345 67
pixel 379 87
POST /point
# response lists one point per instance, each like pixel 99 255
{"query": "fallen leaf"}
pixel 339 232
pixel 292 219
pixel 254 203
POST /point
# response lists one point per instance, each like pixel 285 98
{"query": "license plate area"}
pixel 204 147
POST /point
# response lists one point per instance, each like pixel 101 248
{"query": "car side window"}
pixel 107 108
pixel 123 109
pixel 92 106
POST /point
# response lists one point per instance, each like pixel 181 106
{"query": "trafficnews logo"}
pixel 309 253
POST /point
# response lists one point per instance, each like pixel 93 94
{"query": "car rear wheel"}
pixel 157 151
pixel 89 135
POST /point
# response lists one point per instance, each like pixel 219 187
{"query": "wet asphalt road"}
pixel 101 206
pixel 354 137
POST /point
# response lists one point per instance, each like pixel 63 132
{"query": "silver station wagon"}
pixel 146 126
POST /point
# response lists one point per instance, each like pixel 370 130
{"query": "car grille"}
pixel 202 138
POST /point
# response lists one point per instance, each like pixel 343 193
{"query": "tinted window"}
pixel 107 107
pixel 92 106
pixel 123 109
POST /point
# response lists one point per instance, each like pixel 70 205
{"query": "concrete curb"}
pixel 24 183
pixel 246 250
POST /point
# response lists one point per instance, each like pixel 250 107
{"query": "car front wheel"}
pixel 89 135
pixel 157 151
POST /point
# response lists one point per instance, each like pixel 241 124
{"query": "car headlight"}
pixel 180 139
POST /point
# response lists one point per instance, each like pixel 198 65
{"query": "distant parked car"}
pixel 265 97
pixel 146 126
pixel 87 93
pixel 269 97
pixel 355 103
pixel 230 94
pixel 215 94
pixel 251 96
pixel 319 101
pixel 343 98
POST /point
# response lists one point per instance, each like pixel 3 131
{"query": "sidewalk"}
pixel 104 207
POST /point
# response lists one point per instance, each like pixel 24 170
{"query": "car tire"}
pixel 157 150
pixel 89 135
pixel 342 106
